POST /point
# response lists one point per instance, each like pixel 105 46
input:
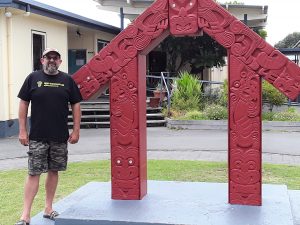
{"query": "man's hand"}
pixel 23 135
pixel 74 137
pixel 23 138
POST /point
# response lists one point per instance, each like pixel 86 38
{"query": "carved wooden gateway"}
pixel 122 64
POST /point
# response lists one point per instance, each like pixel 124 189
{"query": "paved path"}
pixel 163 143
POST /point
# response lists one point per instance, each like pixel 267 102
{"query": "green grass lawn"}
pixel 78 174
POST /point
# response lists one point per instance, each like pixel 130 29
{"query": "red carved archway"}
pixel 123 63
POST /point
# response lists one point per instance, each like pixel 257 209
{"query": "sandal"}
pixel 51 216
pixel 21 222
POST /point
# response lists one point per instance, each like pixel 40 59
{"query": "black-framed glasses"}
pixel 48 57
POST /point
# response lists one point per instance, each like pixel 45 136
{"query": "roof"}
pixel 55 13
pixel 264 7
pixel 256 14
pixel 289 51
pixel 137 3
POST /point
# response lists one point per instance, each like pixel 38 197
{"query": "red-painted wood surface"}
pixel 183 17
pixel 244 134
pixel 122 63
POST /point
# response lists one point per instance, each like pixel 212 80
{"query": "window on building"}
pixel 101 44
pixel 38 46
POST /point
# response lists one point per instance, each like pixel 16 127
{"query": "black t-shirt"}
pixel 49 96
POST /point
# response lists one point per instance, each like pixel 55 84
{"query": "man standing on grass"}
pixel 49 91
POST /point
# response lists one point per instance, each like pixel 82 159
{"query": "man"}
pixel 49 91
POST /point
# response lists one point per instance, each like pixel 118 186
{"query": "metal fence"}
pixel 164 81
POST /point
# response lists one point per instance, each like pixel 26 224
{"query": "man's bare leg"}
pixel 50 186
pixel 30 191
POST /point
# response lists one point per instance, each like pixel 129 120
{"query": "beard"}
pixel 50 68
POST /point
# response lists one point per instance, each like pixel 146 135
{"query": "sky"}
pixel 283 16
pixel 86 8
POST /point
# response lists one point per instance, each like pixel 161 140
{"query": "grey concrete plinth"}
pixel 171 203
pixel 295 203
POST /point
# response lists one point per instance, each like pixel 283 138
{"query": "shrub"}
pixel 186 96
pixel 174 113
pixel 216 112
pixel 271 95
pixel 289 115
pixel 210 96
pixel 286 116
pixel 268 116
pixel 224 94
pixel 194 115
pixel 291 110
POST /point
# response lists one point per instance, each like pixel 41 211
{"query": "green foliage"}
pixel 186 96
pixel 288 115
pixel 289 41
pixel 224 93
pixel 209 96
pixel 291 110
pixel 216 112
pixel 174 113
pixel 272 96
pixel 193 115
pixel 263 33
pixel 267 116
pixel 199 52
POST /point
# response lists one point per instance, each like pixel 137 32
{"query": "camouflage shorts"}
pixel 47 155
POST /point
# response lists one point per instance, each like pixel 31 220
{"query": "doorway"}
pixel 76 59
pixel 38 46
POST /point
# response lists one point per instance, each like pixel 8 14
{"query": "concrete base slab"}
pixel 169 202
pixel 295 204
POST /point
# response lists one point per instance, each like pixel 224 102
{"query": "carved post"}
pixel 128 133
pixel 244 134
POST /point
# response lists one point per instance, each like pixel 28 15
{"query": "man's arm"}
pixel 74 136
pixel 23 111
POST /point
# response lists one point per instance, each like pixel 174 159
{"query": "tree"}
pixel 261 32
pixel 289 41
pixel 200 52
